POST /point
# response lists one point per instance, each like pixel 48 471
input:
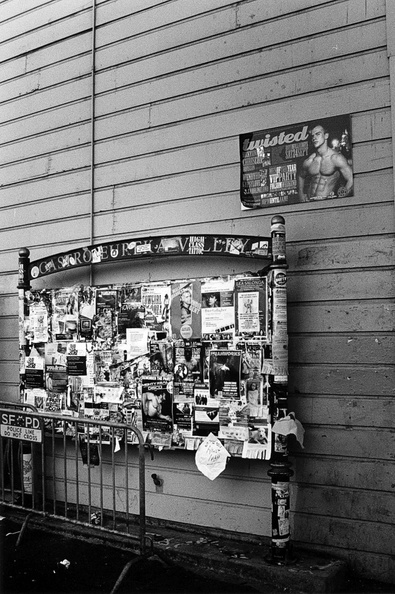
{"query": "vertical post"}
pixel 280 471
pixel 23 285
pixel 26 460
pixel 92 165
pixel 2 549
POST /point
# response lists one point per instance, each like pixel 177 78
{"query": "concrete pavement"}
pixel 229 559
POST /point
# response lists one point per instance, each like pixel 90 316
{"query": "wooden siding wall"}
pixel 176 82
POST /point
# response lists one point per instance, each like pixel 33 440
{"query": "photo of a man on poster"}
pixel 326 172
pixel 153 405
pixel 157 404
pixel 297 163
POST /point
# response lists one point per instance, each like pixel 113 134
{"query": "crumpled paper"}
pixel 290 425
pixel 211 457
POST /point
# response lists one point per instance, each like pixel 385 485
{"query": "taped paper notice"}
pixel 211 457
pixel 137 342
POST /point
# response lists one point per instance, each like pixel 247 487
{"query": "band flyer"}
pixel 251 306
pixel 302 162
pixel 225 371
pixel 217 308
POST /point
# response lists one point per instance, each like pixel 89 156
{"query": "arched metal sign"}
pixel 246 246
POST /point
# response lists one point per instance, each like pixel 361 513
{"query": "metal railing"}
pixel 75 469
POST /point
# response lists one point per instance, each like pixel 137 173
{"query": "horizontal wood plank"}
pixel 346 411
pixel 111 172
pixel 346 380
pixel 353 442
pixel 266 24
pixel 243 519
pixel 344 534
pixel 202 130
pixel 377 221
pixel 366 157
pixel 46 77
pixel 54 233
pixel 218 153
pixel 343 471
pixel 337 73
pixel 68 92
pixel 10 392
pixel 65 138
pixel 9 325
pixel 10 10
pixel 9 350
pixel 216 61
pixel 64 184
pixel 347 349
pixel 349 316
pixel 344 13
pixel 352 504
pixel 34 15
pixel 46 56
pixel 339 220
pixel 76 206
pixel 54 163
pixel 365 95
pixel 366 252
pixel 38 34
pixel 366 127
pixel 141 16
pixel 348 284
pixel 56 118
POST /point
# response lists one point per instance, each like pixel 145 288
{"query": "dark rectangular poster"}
pixel 303 162
pixel 224 374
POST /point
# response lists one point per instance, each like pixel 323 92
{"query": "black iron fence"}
pixel 84 471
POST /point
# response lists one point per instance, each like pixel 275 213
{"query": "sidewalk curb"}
pixel 228 560
pixel 243 563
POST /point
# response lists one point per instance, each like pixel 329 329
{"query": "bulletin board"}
pixel 178 359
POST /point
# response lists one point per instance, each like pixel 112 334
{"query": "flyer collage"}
pixel 179 360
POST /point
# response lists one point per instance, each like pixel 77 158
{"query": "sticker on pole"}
pixel 17 426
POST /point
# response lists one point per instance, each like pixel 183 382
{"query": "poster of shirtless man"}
pixel 326 173
pixel 305 162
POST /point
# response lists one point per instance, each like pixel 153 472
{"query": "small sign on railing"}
pixel 19 426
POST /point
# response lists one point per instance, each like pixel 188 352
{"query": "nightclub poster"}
pixel 157 405
pixel 225 370
pixel 304 162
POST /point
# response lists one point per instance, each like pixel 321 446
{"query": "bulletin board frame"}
pixel 273 341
